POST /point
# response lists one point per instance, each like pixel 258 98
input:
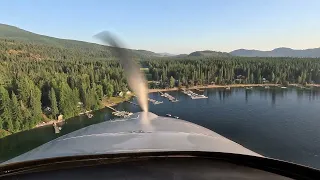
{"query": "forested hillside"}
pixel 278 52
pixel 92 50
pixel 34 76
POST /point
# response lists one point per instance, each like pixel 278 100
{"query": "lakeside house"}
pixel 47 109
pixel 60 117
pixel 80 104
pixel 120 93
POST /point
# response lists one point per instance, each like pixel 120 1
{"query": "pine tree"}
pixel 272 77
pixel 53 103
pixel 16 113
pixel 110 90
pixel 35 104
pixel 5 110
pixel 99 91
pixel 172 82
pixel 65 105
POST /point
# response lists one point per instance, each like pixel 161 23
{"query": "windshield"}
pixel 248 71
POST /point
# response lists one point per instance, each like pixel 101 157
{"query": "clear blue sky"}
pixel 174 26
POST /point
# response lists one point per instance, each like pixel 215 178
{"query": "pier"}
pixel 171 98
pixel 200 90
pixel 124 114
pixel 155 102
pixel 56 128
pixel 194 95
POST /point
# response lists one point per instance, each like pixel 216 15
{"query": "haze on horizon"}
pixel 180 26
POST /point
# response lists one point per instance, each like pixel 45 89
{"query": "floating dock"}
pixel 155 102
pixel 200 90
pixel 124 114
pixel 194 95
pixel 56 128
pixel 171 98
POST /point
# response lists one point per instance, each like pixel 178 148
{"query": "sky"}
pixel 174 26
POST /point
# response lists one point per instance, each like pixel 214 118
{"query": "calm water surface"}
pixel 278 123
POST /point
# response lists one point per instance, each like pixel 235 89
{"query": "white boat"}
pixel 199 97
pixel 169 115
pixel 283 87
pixel 89 115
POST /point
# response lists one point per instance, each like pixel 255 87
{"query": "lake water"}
pixel 278 123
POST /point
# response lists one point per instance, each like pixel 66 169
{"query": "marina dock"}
pixel 155 102
pixel 171 98
pixel 124 114
pixel 56 128
pixel 200 90
pixel 194 95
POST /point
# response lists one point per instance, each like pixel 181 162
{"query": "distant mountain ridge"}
pixel 278 52
pixel 208 53
pixel 166 54
pixel 15 33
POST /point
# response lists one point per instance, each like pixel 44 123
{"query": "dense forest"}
pixel 36 76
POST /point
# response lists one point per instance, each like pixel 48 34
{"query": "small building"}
pixel 48 109
pixel 128 92
pixel 241 77
pixel 120 93
pixel 60 117
pixel 264 80
pixel 80 104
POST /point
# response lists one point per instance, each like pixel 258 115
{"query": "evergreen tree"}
pixel 65 100
pixel 5 111
pixel 17 117
pixel 35 105
pixel 99 90
pixel 110 90
pixel 172 82
pixel 53 103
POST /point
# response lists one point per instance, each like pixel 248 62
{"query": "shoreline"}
pixel 117 100
pixel 212 86
pixel 112 101
pixel 225 86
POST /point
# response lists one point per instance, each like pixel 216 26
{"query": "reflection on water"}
pixel 275 122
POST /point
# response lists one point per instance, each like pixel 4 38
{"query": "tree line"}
pixel 231 70
pixel 70 80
